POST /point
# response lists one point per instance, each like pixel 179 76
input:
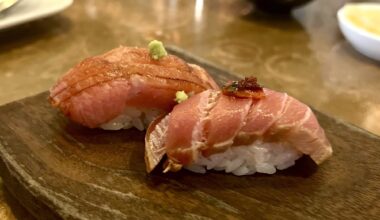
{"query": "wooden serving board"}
pixel 58 169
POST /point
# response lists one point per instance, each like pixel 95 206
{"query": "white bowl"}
pixel 362 40
pixel 29 10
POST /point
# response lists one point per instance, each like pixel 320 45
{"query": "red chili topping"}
pixel 245 88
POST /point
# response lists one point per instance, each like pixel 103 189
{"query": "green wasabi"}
pixel 157 50
pixel 180 96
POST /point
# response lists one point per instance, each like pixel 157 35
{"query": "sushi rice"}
pixel 132 117
pixel 248 159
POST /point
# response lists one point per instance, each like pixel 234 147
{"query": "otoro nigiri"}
pixel 242 130
pixel 126 87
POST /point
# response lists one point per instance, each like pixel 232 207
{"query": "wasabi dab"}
pixel 180 96
pixel 157 49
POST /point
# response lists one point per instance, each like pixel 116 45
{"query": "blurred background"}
pixel 300 51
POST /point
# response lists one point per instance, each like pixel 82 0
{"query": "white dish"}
pixel 365 42
pixel 28 10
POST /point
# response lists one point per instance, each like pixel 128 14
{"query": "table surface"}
pixel 304 54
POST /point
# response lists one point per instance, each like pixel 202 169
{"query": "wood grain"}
pixel 58 169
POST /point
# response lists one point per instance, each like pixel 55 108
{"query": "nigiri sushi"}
pixel 242 129
pixel 126 87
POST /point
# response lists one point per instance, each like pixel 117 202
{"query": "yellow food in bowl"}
pixel 364 17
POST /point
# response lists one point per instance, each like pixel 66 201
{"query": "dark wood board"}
pixel 58 169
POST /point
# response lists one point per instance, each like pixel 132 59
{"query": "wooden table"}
pixel 304 55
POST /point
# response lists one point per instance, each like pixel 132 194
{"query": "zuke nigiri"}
pixel 242 130
pixel 126 87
